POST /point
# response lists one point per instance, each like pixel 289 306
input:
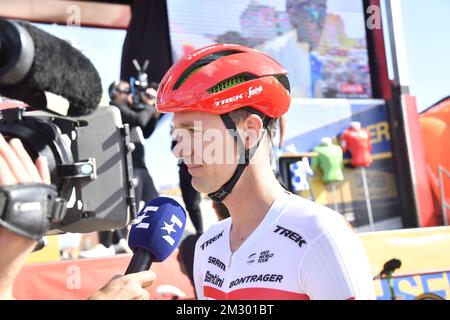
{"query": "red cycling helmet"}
pixel 224 77
pixel 221 78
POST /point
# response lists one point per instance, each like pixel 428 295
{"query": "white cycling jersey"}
pixel 301 250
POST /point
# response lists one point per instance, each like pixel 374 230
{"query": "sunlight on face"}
pixel 206 147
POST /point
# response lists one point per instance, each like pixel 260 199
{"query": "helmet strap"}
pixel 245 153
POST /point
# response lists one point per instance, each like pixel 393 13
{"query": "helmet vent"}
pixel 183 80
pixel 201 63
pixel 283 79
pixel 231 82
pixel 227 84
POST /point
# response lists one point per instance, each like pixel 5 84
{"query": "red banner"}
pixel 78 279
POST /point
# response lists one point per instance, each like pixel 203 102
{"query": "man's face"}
pixel 308 17
pixel 207 149
pixel 123 91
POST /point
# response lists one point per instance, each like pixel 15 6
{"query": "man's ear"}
pixel 252 126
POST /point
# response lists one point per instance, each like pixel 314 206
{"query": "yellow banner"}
pixel 425 257
pixel 409 287
pixel 48 254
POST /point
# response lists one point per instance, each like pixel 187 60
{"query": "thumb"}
pixel 145 278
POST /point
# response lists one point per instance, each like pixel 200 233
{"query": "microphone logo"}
pixel 144 225
pixel 169 228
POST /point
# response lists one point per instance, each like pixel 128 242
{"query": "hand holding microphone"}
pixel 128 287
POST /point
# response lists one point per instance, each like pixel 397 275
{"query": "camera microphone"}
pixel 33 62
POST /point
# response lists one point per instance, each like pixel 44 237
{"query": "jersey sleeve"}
pixel 336 267
pixel 197 272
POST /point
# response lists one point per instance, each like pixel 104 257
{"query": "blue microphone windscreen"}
pixel 160 227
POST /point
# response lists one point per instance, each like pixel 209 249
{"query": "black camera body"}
pixel 87 147
pixel 90 163
pixel 138 87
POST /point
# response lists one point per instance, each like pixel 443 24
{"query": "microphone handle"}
pixel 141 261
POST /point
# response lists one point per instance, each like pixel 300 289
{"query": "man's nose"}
pixel 182 150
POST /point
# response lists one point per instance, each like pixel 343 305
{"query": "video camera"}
pixel 87 148
pixel 139 86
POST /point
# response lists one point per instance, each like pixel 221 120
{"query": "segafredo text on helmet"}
pixel 248 94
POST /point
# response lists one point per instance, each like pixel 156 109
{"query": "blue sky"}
pixel 427 34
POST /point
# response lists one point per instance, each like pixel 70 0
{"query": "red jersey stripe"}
pixel 253 294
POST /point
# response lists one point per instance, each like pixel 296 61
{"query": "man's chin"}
pixel 200 186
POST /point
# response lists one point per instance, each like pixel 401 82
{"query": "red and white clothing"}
pixel 301 250
pixel 357 141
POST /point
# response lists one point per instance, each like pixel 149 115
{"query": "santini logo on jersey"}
pixel 257 278
pixel 213 239
pixel 216 262
pixel 213 279
pixel 290 234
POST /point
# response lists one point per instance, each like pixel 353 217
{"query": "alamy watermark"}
pixel 196 146
pixel 74 16
pixel 73 281
pixel 374 20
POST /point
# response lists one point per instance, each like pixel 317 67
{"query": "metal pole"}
pixel 400 120
pixel 397 43
pixel 367 196
pixel 311 194
pixel 335 206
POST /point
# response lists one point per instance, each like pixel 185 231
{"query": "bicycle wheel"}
pixel 429 296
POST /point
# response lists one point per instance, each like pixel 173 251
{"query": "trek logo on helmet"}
pixel 228 100
pixel 251 93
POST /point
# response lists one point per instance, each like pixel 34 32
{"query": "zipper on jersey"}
pixel 229 261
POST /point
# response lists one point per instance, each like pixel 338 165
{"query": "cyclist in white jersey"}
pixel 275 245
